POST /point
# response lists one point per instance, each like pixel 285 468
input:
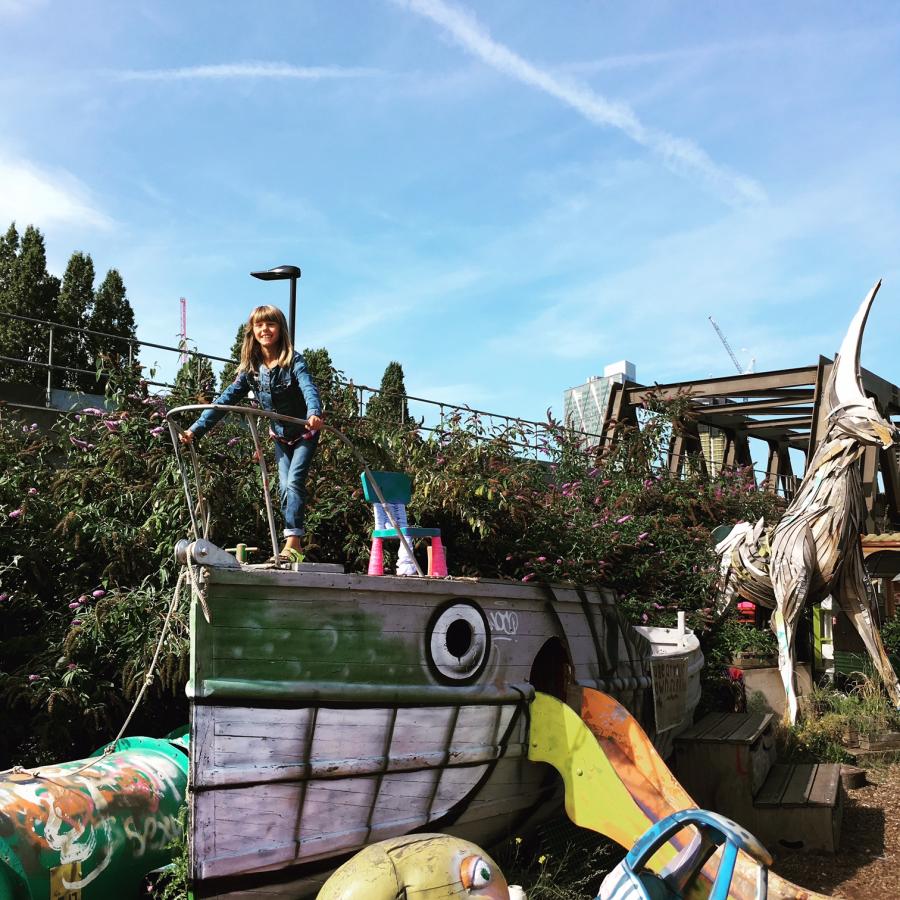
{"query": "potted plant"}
pixel 750 647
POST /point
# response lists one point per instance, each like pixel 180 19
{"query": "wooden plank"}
pixel 751 729
pixel 773 789
pixel 243 720
pixel 824 791
pixel 344 586
pixel 698 729
pixel 721 732
pixel 338 670
pixel 797 791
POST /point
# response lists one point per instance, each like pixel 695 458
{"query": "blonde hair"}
pixel 251 353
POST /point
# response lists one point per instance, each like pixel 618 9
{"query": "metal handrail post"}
pixel 202 506
pixel 50 370
pixel 251 415
pixel 176 442
pixel 270 513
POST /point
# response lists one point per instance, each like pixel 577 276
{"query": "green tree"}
pixel 9 252
pixel 338 398
pixel 195 382
pixel 76 301
pixel 229 372
pixel 28 290
pixel 10 337
pixel 112 315
pixel 388 406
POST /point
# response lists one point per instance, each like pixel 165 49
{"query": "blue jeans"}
pixel 293 466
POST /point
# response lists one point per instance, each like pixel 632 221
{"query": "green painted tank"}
pixel 73 833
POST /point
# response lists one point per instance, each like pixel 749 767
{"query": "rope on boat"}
pixel 187 574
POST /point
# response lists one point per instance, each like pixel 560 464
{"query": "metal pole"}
pixel 293 321
pixel 270 515
pixel 50 370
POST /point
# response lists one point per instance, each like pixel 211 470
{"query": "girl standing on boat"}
pixel 277 375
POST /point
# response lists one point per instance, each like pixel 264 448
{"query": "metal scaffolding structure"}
pixel 784 409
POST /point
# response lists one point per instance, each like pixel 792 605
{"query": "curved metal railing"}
pixel 201 511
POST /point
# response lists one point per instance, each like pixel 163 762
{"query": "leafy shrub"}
pixel 91 509
pixel 890 634
pixel 732 637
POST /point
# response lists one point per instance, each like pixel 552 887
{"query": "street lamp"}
pixel 281 273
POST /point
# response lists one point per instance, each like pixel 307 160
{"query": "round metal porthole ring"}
pixel 458 642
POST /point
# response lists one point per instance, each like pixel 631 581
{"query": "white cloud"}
pixel 800 41
pixel 46 197
pixel 678 153
pixel 228 71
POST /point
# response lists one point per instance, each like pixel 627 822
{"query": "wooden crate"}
pixel 800 806
pixel 724 759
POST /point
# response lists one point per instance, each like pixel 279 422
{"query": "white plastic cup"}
pixel 516 892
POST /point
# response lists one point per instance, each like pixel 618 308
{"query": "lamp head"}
pixel 279 273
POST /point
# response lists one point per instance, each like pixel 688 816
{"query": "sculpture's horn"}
pixel 847 389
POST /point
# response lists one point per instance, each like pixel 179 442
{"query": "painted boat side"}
pixel 322 720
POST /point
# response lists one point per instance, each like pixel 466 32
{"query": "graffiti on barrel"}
pixel 74 829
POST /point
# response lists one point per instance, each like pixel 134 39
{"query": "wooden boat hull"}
pixel 331 710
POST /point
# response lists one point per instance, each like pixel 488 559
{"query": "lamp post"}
pixel 282 273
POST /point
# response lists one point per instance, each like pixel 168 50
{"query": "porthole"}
pixel 458 642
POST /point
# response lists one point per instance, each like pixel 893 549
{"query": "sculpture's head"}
pixel 850 412
pixel 425 866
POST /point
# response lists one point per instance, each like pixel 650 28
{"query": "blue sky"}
pixel 504 196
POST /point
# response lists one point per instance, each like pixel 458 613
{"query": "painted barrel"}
pixel 70 832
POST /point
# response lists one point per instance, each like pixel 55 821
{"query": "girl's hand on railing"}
pixel 186 437
pixel 315 423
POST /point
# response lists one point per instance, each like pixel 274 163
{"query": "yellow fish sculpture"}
pixel 420 866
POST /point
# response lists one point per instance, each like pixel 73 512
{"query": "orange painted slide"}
pixel 618 785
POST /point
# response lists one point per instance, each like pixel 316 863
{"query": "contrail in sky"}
pixel 246 70
pixel 678 153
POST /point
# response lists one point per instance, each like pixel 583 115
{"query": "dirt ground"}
pixel 867 867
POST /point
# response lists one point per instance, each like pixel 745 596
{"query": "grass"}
pixel 560 862
pixel 828 713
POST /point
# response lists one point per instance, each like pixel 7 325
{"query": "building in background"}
pixel 584 407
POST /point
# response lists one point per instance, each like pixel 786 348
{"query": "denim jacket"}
pixel 289 391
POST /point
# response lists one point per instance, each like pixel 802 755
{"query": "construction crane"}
pixel 182 343
pixel 727 346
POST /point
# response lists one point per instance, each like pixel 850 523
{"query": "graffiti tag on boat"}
pixel 504 621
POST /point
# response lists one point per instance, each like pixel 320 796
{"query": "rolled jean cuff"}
pixel 294 532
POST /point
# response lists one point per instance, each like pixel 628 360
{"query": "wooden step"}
pixel 800 806
pixel 800 784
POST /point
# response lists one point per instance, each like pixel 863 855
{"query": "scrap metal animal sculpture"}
pixel 814 550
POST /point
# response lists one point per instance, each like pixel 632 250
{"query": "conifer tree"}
pixel 30 291
pixel 71 348
pixel 195 382
pixel 388 406
pixel 9 251
pixel 10 337
pixel 112 315
pixel 229 372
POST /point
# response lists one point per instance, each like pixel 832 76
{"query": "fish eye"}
pixel 475 873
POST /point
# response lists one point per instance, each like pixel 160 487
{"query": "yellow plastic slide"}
pixel 618 785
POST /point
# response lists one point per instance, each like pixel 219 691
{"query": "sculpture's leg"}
pixel 726 592
pixel 784 634
pixel 853 597
pixel 793 559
